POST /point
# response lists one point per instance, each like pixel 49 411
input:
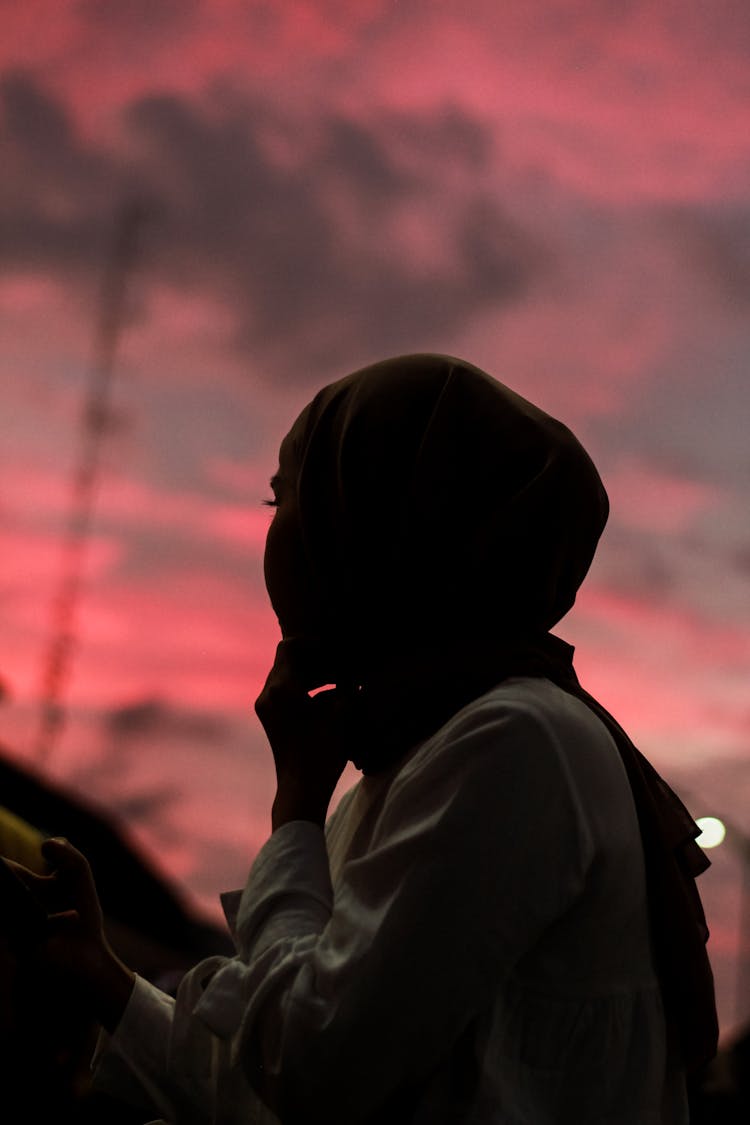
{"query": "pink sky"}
pixel 560 192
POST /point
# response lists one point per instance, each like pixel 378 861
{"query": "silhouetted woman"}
pixel 499 923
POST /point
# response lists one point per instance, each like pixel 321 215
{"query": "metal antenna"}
pixel 94 423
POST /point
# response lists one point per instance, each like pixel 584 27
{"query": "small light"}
pixel 712 831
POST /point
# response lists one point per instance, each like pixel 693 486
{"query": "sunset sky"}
pixel 557 191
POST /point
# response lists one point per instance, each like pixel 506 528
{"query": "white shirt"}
pixel 468 942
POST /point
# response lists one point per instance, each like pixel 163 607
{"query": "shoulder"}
pixel 524 745
pixel 496 790
pixel 531 701
pixel 532 715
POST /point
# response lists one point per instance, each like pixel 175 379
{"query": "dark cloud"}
pixel 742 559
pixel 150 717
pixel 636 563
pixel 137 20
pixel 145 805
pixel 305 248
pixel 170 551
pixel 55 191
pixel 144 725
pixel 271 238
pixel 715 243
pixel 442 138
pixel 360 160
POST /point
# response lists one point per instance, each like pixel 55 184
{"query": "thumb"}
pixel 72 871
pixel 64 858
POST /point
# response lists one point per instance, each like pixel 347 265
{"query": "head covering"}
pixel 446 525
pixel 435 501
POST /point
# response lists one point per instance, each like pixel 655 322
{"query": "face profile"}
pixel 284 564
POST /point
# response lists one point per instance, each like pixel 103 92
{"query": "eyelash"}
pixel 270 503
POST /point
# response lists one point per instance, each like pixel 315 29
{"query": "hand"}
pixel 76 950
pixel 310 736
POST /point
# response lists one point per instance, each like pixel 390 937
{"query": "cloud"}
pixel 617 102
pixel 650 497
pixel 191 785
pixel 171 599
pixel 556 190
pixel 130 22
pixel 128 505
pixel 154 716
pixel 714 242
pixel 56 189
pixel 311 252
pixel 675 676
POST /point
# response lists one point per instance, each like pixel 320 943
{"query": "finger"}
pixel 338 710
pixel 70 867
pixel 61 854
pixel 25 874
pixel 63 923
pixel 305 663
pixel 285 690
pixel 55 893
pixel 40 885
pixel 302 668
pixel 65 933
pixel 280 703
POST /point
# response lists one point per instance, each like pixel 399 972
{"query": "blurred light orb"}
pixel 713 831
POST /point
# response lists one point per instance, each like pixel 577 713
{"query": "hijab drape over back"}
pixel 447 524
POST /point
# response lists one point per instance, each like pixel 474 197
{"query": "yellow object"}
pixel 21 841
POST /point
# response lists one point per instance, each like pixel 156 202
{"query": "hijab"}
pixel 446 525
pixel 434 498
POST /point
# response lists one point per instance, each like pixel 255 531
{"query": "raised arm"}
pixel 340 1002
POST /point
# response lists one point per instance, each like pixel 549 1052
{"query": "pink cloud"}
pixel 193 635
pixel 186 631
pixel 648 498
pixel 586 118
pixel 184 332
pixel 245 477
pixel 122 502
pixel 616 104
pixel 32 567
pixel 122 56
pixel 674 677
pixel 44 324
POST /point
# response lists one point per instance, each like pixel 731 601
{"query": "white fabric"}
pixel 468 943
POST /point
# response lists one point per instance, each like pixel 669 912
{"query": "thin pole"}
pixel 742 1013
pixel 739 842
pixel 58 657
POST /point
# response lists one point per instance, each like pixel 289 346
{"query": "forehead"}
pixel 287 457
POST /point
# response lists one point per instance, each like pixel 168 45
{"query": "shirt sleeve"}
pixel 337 1003
pixel 159 1058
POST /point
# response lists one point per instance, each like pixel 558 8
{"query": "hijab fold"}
pixel 447 524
